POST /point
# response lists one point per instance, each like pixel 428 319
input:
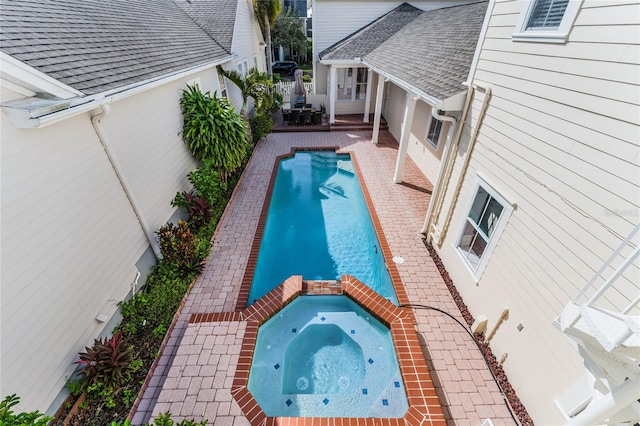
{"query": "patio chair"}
pixel 286 116
pixel 295 117
pixel 307 117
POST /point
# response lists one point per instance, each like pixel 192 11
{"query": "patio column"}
pixel 332 94
pixel 378 109
pixel 367 98
pixel 407 121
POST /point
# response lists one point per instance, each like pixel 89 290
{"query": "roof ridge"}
pixel 200 26
pixel 361 30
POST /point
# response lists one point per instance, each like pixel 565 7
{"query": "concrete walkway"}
pixel 195 372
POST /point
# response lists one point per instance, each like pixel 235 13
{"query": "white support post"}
pixel 407 121
pixel 367 98
pixel 332 94
pixel 378 110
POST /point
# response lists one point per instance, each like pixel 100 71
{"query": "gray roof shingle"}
pixel 99 45
pixel 429 50
pixel 366 39
pixel 217 18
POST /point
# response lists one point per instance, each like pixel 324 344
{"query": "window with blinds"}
pixel 547 14
pixel 547 21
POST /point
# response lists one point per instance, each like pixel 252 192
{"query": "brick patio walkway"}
pixel 196 369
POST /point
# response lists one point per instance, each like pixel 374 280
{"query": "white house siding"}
pixel 425 155
pixel 70 240
pixel 246 45
pixel 560 139
pixel 145 132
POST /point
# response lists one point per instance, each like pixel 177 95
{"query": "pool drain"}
pixel 302 383
pixel 344 382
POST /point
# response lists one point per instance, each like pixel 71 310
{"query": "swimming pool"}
pixel 325 356
pixel 318 226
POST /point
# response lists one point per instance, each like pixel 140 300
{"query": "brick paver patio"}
pixel 195 372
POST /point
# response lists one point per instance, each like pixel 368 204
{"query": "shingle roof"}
pixel 98 45
pixel 217 18
pixel 366 39
pixel 430 50
pixel 434 51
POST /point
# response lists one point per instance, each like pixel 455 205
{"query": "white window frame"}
pixel 240 69
pixel 222 85
pixel 245 66
pixel 255 62
pixel 434 144
pixel 354 83
pixel 546 35
pixel 507 209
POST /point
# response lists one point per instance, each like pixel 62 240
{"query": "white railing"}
pixel 624 261
pixel 284 88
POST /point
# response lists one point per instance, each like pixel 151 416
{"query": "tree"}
pixel 288 32
pixel 267 11
pixel 213 130
pixel 256 85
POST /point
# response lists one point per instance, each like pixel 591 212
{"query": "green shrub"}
pixel 213 130
pixel 208 183
pixel 261 125
pixel 9 418
pixel 200 212
pixel 108 363
pixel 181 247
pixel 154 307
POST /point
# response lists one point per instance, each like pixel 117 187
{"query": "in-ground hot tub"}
pixel 325 356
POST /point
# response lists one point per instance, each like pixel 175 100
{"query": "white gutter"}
pixel 102 136
pixel 95 101
pixel 433 102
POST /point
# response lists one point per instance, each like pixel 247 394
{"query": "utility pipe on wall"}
pixel 467 160
pixel 444 174
pixel 104 141
pixel 445 158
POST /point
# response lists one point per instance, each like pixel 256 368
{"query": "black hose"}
pixel 495 379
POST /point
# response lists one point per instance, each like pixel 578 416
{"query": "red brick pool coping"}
pixel 243 295
pixel 424 407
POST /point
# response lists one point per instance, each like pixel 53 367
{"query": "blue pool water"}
pixel 325 356
pixel 318 226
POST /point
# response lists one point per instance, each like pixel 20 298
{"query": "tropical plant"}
pixel 9 418
pixel 180 247
pixel 207 183
pixel 267 11
pixel 153 308
pixel 288 32
pixel 109 362
pixel 256 85
pixel 200 211
pixel 213 130
pixel 261 125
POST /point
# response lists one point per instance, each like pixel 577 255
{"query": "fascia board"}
pixel 17 71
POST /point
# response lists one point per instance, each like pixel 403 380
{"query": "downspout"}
pixel 444 174
pixel 467 160
pixel 445 156
pixel 104 141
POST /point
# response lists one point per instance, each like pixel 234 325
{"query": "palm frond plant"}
pixel 213 130
pixel 256 85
